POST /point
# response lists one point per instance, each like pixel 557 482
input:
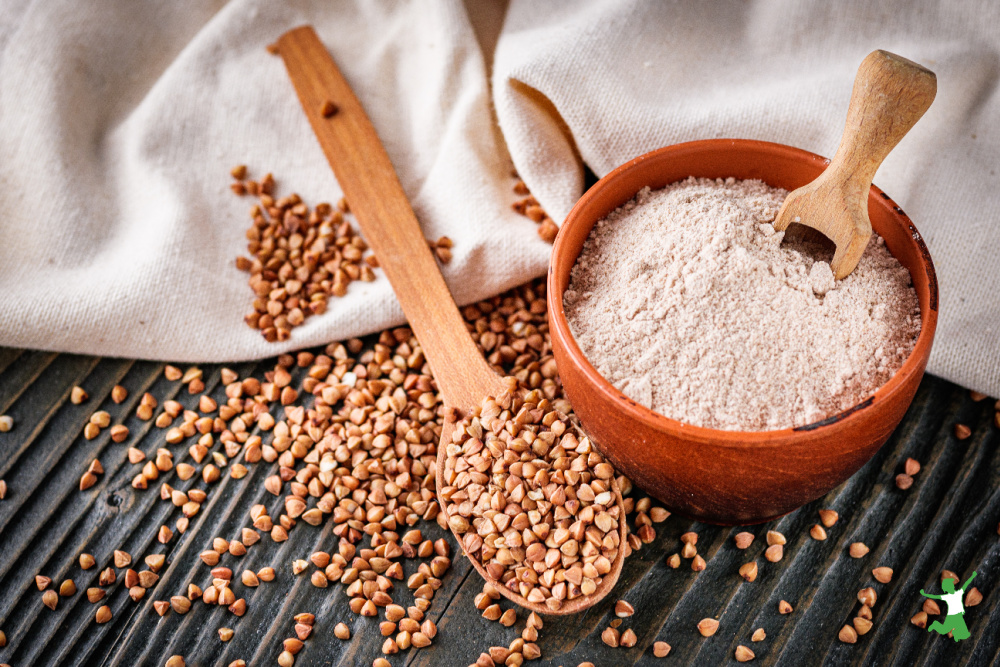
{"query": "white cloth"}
pixel 119 123
pixel 119 127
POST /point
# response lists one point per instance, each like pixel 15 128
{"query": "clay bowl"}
pixel 732 477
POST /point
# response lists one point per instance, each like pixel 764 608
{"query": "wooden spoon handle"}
pixel 376 198
pixel 890 95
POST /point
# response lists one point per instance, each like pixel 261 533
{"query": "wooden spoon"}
pixel 377 200
pixel 890 95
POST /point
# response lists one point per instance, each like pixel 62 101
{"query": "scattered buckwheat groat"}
pixel 329 109
pixel 828 517
pixel 708 626
pixel 882 574
pixel 623 609
pixel 441 248
pixel 749 571
pixel 103 614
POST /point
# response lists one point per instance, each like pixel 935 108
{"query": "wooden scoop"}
pixel 390 227
pixel 890 95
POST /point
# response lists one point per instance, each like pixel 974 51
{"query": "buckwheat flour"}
pixel 687 301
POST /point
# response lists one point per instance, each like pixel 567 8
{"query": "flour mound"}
pixel 687 301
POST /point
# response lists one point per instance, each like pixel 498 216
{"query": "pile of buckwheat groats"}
pixel 302 256
pixel 355 443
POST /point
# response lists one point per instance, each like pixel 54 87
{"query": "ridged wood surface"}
pixel 948 519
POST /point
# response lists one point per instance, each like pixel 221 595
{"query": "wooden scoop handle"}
pixel 376 198
pixel 890 95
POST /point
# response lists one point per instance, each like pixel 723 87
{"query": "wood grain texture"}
pixel 890 95
pixel 948 519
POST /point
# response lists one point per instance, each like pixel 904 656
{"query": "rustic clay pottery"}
pixel 732 477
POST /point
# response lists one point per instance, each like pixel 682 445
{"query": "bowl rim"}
pixel 559 325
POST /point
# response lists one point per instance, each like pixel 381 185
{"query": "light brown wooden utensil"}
pixel 890 95
pixel 376 198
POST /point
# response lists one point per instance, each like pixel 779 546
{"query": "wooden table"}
pixel 948 519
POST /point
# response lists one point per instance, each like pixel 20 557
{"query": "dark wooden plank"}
pixel 135 530
pixel 7 357
pixel 20 371
pixel 51 530
pixel 869 505
pixel 947 519
pixel 59 424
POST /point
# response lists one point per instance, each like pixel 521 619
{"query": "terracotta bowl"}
pixel 732 477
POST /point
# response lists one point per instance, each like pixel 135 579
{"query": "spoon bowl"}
pixel 732 477
pixel 570 607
